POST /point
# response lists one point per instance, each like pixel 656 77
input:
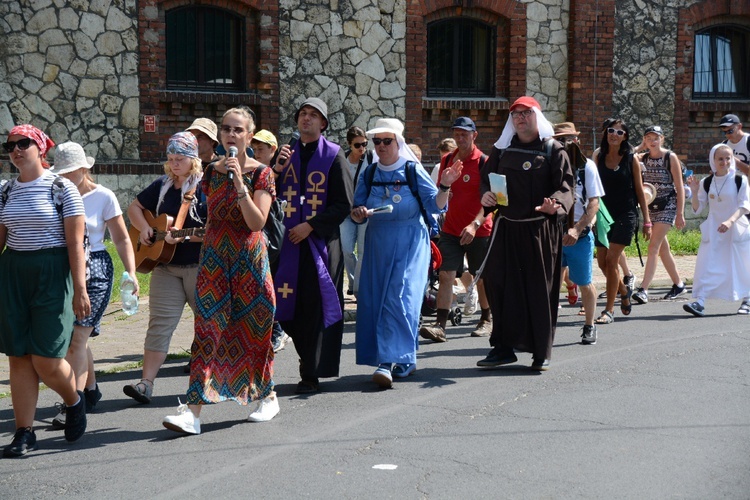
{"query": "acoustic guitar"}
pixel 160 252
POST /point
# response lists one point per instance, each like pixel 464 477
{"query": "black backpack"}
pixel 57 191
pixel 737 182
pixel 273 230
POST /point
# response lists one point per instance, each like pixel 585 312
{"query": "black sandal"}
pixel 605 319
pixel 626 308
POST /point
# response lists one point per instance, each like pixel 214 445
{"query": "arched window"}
pixel 460 58
pixel 722 63
pixel 205 49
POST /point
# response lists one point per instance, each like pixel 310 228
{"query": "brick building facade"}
pixel 93 71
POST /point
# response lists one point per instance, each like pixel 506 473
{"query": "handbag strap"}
pixel 187 200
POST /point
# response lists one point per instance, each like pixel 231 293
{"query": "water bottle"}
pixel 127 294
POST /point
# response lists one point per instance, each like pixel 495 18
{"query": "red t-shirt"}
pixel 465 202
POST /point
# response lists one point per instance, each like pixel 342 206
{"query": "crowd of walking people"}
pixel 504 224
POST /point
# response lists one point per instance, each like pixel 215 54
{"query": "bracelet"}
pixel 243 195
pixel 444 188
pixel 647 224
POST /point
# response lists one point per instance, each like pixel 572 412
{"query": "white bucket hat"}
pixel 69 156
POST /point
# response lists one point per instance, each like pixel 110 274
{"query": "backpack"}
pixel 273 230
pixel 57 191
pixel 737 182
pixel 546 152
pixel 411 180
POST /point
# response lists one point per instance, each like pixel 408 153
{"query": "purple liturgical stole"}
pixel 302 205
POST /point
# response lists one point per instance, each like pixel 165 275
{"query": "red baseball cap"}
pixel 527 101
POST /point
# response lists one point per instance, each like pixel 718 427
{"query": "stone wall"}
pixel 350 53
pixel 71 69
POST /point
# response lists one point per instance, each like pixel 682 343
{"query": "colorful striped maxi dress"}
pixel 232 355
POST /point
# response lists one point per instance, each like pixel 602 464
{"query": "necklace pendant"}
pixel 718 198
pixel 387 192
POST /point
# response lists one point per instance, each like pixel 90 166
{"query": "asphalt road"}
pixel 658 408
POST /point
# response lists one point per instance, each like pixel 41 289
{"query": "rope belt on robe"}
pixel 303 203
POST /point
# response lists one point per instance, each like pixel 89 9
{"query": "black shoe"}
pixel 675 292
pixel 541 365
pixel 588 337
pixel 23 442
pixel 307 387
pixel 694 308
pixel 92 396
pixel 75 419
pixel 498 356
pixel 186 368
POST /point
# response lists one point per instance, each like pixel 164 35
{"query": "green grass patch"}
pixel 682 242
pixel 144 280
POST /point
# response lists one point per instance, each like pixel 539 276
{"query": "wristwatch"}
pixel 477 224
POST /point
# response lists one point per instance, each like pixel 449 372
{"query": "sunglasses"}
pixel 615 131
pixel 387 142
pixel 23 145
pixel 525 113
pixel 228 130
pixel 728 131
pixel 360 144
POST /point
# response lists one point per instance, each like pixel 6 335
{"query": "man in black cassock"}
pixel 312 178
pixel 522 270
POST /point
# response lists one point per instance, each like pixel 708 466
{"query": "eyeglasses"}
pixel 228 130
pixel 525 113
pixel 362 144
pixel 387 141
pixel 728 131
pixel 615 131
pixel 23 145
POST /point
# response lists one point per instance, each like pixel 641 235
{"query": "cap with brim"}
pixel 316 103
pixel 565 128
pixel 206 126
pixel 649 191
pixel 654 129
pixel 465 123
pixel 527 101
pixel 266 137
pixel 729 120
pixel 69 157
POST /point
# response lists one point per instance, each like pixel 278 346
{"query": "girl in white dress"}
pixel 722 270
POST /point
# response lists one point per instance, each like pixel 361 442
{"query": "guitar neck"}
pixel 193 231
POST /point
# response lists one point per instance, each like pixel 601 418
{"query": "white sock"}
pixel 681 284
pixel 79 400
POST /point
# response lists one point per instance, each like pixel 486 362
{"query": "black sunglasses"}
pixel 615 131
pixel 387 141
pixel 23 145
pixel 359 144
pixel 728 131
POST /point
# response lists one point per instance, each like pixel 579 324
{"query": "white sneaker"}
pixel 471 302
pixel 184 421
pixel 266 410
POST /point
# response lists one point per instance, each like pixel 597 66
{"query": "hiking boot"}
pixel 694 308
pixel 641 296
pixel 675 292
pixel 498 356
pixel 75 419
pixel 588 337
pixel 24 441
pixel 141 392
pixel 484 329
pixel 266 410
pixel 434 332
pixel 185 421
pixel 93 396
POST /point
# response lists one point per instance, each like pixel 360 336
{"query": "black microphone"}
pixel 293 140
pixel 232 154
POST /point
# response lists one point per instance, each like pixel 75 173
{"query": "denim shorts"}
pixel 580 260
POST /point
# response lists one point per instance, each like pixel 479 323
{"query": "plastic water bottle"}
pixel 127 294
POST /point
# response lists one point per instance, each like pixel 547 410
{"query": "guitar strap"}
pixel 187 200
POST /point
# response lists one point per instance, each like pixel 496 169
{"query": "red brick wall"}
pixel 429 120
pixel 175 110
pixel 695 121
pixel 590 53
